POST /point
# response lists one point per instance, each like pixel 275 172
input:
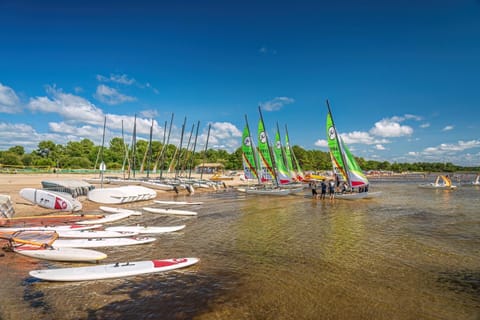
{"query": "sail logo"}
pixel 263 137
pixel 60 204
pixel 331 133
pixel 278 145
pixel 247 142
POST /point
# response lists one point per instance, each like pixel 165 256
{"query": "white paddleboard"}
pixel 100 242
pixel 180 203
pixel 145 229
pixel 57 228
pixel 108 218
pixel 60 254
pixel 115 270
pixel 89 234
pixel 170 211
pixel 118 210
pixel 61 201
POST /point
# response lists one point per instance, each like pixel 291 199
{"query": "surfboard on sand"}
pixel 115 270
pixel 57 228
pixel 108 218
pixel 118 210
pixel 178 203
pixel 170 211
pixel 61 201
pixel 60 254
pixel 91 234
pixel 43 220
pixel 145 229
pixel 101 242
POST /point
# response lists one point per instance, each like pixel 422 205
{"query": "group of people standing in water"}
pixel 324 186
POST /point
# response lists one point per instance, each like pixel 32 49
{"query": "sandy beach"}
pixel 11 184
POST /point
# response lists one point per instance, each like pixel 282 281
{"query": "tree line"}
pixel 85 154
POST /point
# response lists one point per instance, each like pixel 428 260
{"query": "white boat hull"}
pixel 357 195
pixel 435 186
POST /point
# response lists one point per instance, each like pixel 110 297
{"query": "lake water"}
pixel 410 254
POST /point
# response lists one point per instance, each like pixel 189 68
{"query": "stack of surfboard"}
pixel 6 206
pixel 122 194
pixel 74 187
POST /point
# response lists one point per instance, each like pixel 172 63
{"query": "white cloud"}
pixel 446 148
pixel 265 50
pixel 25 135
pixel 223 135
pixel 379 147
pixel 413 117
pixel 391 128
pixel 357 137
pixel 116 78
pixel 149 113
pixel 111 96
pixel 448 128
pixel 321 143
pixel 276 103
pixel 9 102
pixel 425 125
pixel 69 106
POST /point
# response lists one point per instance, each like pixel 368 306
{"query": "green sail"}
pixel 335 152
pixel 283 174
pixel 288 156
pixel 249 163
pixel 264 152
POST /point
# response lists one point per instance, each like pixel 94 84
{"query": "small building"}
pixel 209 168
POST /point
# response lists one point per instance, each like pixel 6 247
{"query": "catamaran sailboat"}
pixel 345 166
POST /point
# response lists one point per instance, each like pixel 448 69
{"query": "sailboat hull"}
pixel 358 195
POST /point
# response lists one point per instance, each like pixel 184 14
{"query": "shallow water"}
pixel 410 254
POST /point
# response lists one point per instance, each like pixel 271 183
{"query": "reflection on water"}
pixel 411 254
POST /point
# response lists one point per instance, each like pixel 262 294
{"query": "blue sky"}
pixel 402 77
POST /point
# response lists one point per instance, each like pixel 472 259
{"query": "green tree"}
pixel 19 150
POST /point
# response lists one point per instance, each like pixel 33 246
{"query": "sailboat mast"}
pixel 149 159
pixel 269 149
pixel 192 159
pixel 205 152
pixel 134 145
pixel 180 147
pixel 100 151
pixel 155 165
pixel 298 169
pixel 344 160
pixel 284 157
pixel 162 154
pixel 185 161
